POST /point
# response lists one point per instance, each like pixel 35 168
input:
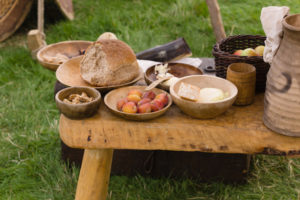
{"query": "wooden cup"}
pixel 243 75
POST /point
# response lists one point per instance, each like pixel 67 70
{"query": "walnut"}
pixel 78 99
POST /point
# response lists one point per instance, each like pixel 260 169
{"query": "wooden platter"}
pixel 69 74
pixel 12 15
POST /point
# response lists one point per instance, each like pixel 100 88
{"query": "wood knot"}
pixel 89 138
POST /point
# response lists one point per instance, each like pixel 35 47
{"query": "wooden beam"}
pixel 173 50
pixel 216 19
pixel 36 38
pixel 94 175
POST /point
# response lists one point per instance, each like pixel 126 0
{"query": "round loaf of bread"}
pixel 109 62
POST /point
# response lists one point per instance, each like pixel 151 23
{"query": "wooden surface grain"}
pixel 239 130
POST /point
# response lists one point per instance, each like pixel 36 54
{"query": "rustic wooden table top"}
pixel 239 130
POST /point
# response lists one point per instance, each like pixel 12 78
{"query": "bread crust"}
pixel 109 62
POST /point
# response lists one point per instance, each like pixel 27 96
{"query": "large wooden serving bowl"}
pixel 68 48
pixel 177 69
pixel 204 110
pixel 114 96
pixel 68 74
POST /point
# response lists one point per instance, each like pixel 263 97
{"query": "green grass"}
pixel 30 165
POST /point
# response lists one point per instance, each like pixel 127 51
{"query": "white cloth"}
pixel 145 64
pixel 271 18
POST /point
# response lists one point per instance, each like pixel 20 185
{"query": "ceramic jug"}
pixel 282 95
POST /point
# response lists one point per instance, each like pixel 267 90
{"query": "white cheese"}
pixel 170 81
pixel 162 72
pixel 208 95
pixel 161 69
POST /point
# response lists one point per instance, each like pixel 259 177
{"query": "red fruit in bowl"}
pixel 134 98
pixel 144 108
pixel 121 103
pixel 136 92
pixel 163 97
pixel 129 107
pixel 149 94
pixel 143 101
pixel 156 105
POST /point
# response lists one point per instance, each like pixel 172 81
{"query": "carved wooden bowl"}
pixel 78 111
pixel 49 56
pixel 204 110
pixel 114 96
pixel 177 69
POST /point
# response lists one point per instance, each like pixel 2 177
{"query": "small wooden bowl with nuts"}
pixel 78 102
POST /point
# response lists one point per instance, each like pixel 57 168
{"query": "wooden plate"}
pixel 177 69
pixel 114 96
pixel 68 74
pixel 68 48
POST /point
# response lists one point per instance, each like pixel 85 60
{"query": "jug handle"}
pixel 282 35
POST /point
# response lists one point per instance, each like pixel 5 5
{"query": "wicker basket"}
pixel 12 15
pixel 223 53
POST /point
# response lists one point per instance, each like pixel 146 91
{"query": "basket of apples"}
pixel 245 49
pixel 135 103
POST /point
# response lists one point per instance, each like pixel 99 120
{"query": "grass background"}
pixel 30 165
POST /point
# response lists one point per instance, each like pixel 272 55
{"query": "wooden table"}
pixel 239 130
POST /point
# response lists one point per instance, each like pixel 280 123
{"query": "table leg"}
pixel 94 174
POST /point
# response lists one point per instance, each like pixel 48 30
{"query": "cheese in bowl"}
pixel 203 96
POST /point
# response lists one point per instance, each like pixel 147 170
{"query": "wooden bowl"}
pixel 204 110
pixel 177 69
pixel 68 74
pixel 68 48
pixel 114 96
pixel 78 111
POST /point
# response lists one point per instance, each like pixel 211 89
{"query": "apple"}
pixel 249 52
pixel 156 105
pixel 121 103
pixel 260 50
pixel 135 92
pixel 144 108
pixel 143 101
pixel 238 52
pixel 163 97
pixel 129 107
pixel 149 94
pixel 133 98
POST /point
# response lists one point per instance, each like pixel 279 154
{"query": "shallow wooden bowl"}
pixel 69 48
pixel 78 111
pixel 114 96
pixel 204 110
pixel 68 74
pixel 177 69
